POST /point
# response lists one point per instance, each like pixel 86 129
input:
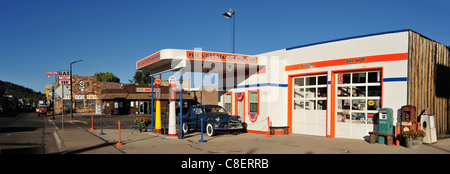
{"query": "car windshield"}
pixel 214 110
pixel 42 108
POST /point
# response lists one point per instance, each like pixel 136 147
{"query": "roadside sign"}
pixel 64 73
pixel 64 78
pixel 64 82
pixel 51 72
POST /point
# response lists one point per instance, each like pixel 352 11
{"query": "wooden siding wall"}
pixel 429 79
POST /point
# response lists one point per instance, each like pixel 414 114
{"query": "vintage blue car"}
pixel 215 118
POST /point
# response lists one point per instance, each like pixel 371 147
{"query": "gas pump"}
pixel 157 89
pixel 428 125
pixel 408 118
pixel 172 114
pixel 385 123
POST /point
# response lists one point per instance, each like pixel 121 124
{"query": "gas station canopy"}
pixel 196 61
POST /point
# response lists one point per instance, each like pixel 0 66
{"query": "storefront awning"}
pixel 112 96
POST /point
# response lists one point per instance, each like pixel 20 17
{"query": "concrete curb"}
pixel 59 142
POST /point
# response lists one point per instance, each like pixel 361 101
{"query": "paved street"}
pixel 26 133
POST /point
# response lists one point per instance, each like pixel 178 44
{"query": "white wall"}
pixel 273 99
pixel 394 93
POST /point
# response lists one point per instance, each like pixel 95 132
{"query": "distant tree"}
pixel 141 77
pixel 106 77
pixel 19 92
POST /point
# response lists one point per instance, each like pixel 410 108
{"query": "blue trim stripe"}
pixel 347 38
pixel 392 79
pixel 395 79
pixel 261 85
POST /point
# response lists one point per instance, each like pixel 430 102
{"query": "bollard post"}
pixel 101 126
pixel 119 143
pixel 268 127
pixel 201 130
pixel 92 122
pixel 397 137
pixel 134 122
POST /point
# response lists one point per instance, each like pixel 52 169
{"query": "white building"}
pixel 330 88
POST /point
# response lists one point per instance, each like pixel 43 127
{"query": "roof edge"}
pixel 347 38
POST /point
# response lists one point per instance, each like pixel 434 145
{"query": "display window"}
pixel 79 103
pixel 91 104
pixel 358 96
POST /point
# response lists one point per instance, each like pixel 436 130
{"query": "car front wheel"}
pixel 185 128
pixel 210 130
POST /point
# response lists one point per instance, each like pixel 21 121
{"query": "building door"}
pixel 239 101
pixel 358 99
pixel 146 107
pixel 309 109
pixel 141 107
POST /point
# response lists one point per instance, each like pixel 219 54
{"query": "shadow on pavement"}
pixel 89 148
pixel 16 129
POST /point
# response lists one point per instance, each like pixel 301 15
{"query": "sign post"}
pixel 153 118
pixel 64 80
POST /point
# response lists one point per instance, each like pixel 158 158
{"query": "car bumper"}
pixel 229 126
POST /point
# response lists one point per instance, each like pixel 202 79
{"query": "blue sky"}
pixel 46 35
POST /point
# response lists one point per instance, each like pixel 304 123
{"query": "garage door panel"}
pixel 358 97
pixel 309 112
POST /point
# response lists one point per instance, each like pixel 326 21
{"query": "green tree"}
pixel 141 77
pixel 106 77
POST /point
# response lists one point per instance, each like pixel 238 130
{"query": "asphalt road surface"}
pixel 26 133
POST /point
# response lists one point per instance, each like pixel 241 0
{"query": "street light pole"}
pixel 229 15
pixel 71 98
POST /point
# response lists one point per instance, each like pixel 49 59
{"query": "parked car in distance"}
pixel 215 118
pixel 42 110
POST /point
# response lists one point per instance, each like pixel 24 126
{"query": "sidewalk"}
pixel 78 139
pixel 136 142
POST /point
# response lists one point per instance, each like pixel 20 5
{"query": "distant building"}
pixel 92 96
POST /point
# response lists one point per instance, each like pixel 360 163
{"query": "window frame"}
pixel 249 108
pixel 351 111
pixel 304 98
pixel 225 102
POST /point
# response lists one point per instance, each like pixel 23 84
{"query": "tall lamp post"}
pixel 55 73
pixel 71 98
pixel 229 15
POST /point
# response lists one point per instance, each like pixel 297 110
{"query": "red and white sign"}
pixel 51 72
pixel 172 79
pixel 143 89
pixel 64 78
